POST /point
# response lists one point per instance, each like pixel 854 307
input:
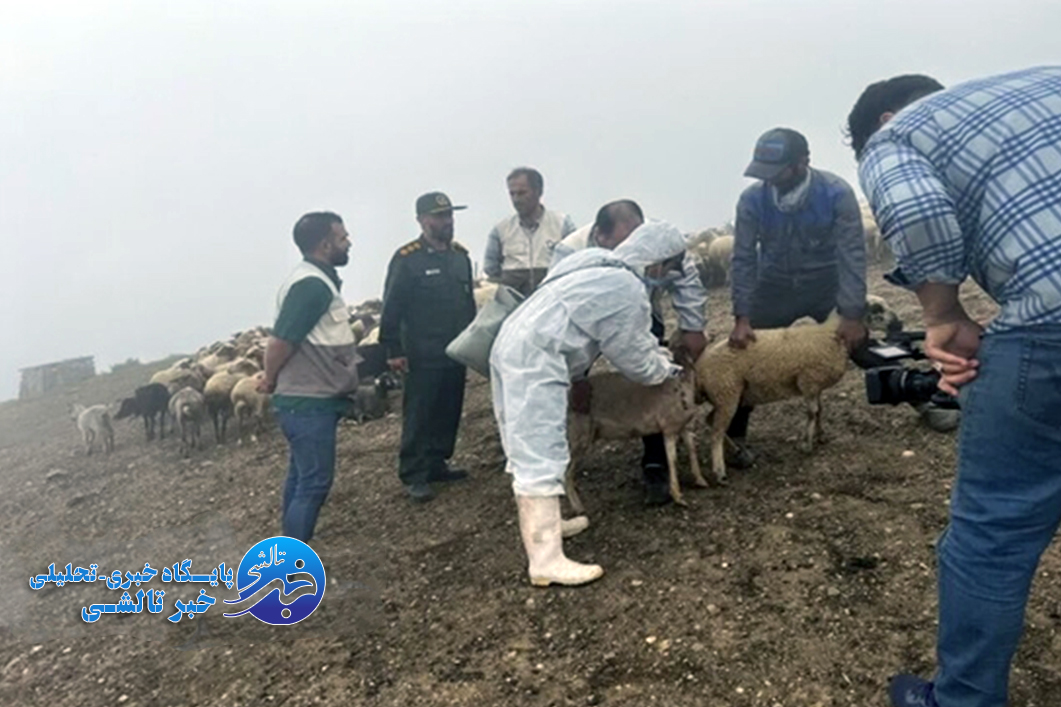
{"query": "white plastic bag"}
pixel 472 346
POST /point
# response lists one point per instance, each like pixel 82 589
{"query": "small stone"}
pixel 636 583
pixel 650 640
pixel 816 496
pixel 740 690
pixel 123 698
pixel 833 592
pixel 790 516
pixel 908 453
pixel 713 609
pixel 35 649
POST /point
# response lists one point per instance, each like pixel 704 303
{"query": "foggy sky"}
pixel 154 157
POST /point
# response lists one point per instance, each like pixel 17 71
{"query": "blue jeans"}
pixel 1005 509
pixel 311 437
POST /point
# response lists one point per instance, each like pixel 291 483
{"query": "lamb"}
pixel 779 364
pixel 247 402
pixel 187 408
pixel 94 423
pixel 147 402
pixel 621 409
pixel 217 395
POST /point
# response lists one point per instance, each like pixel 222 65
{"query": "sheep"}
pixel 211 363
pixel 241 366
pixel 370 399
pixel 248 402
pixel 372 337
pixel 621 409
pixel 218 398
pixel 147 402
pixel 484 293
pixel 176 378
pixel 187 408
pixel 779 364
pixel 94 423
pixel 719 259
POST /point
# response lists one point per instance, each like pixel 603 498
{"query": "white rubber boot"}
pixel 573 526
pixel 540 526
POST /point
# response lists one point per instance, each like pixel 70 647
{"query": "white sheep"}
pixel 187 409
pixel 719 258
pixel 620 409
pixel 484 293
pixel 94 423
pixel 175 378
pixel 798 361
pixel 248 403
pixel 218 397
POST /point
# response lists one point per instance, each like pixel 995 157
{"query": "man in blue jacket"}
pixel 799 250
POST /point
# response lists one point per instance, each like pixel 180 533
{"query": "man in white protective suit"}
pixel 594 302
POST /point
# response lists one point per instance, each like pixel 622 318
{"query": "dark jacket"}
pixel 427 302
pixel 822 237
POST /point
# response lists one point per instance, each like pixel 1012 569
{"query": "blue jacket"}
pixel 825 234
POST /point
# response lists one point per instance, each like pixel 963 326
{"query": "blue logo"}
pixel 283 578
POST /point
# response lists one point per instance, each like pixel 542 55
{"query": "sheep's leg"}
pixel 90 437
pixel 721 416
pixel 570 491
pixel 814 408
pixel 670 442
pixel 694 459
pixel 162 425
pixel 148 431
pixel 214 413
pixel 818 422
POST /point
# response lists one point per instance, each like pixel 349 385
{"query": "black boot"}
pixel 654 471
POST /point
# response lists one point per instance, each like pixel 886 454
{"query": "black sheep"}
pixel 147 401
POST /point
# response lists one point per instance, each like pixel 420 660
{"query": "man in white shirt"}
pixel 520 247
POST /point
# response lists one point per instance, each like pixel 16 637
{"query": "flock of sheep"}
pixel 220 381
pixel 217 383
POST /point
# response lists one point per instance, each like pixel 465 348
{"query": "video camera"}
pixel 889 382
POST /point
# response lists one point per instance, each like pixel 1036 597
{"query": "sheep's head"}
pixel 126 407
pixel 880 317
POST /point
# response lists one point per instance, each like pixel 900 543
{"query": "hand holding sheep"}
pixel 852 332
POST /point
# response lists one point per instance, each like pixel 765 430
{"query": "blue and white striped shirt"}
pixel 967 182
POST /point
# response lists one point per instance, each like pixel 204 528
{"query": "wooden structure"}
pixel 38 380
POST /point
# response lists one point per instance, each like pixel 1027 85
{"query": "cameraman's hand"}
pixel 742 333
pixel 951 347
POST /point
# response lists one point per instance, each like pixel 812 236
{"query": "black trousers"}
pixel 779 304
pixel 432 399
pixel 654 459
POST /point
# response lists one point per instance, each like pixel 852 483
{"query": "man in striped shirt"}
pixel 966 182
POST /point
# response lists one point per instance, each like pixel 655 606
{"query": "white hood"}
pixel 651 242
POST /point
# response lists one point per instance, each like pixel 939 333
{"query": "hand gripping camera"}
pixel 890 382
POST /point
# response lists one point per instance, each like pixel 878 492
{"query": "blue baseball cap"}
pixel 776 150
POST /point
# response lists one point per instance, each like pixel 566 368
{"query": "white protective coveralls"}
pixel 594 302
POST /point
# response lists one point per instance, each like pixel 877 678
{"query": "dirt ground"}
pixel 807 580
